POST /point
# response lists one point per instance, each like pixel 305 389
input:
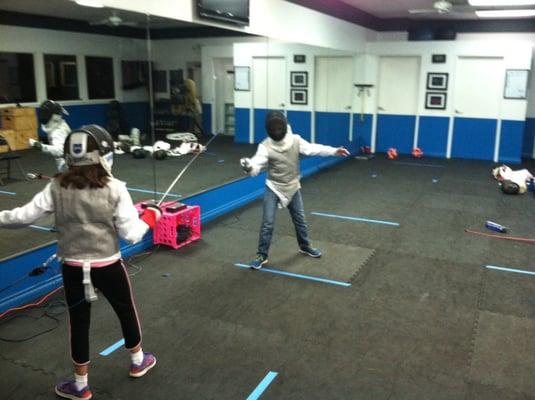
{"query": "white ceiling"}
pixel 70 10
pixel 399 9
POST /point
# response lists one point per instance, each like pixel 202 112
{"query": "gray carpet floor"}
pixel 422 319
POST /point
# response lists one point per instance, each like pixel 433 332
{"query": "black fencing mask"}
pixel 276 125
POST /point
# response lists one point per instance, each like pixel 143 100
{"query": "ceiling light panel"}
pixel 501 3
pixel 505 13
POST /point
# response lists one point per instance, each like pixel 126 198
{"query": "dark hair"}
pixel 80 177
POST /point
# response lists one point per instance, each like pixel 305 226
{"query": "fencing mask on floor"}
pixel 276 125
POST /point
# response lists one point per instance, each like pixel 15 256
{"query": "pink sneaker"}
pixel 68 390
pixel 138 370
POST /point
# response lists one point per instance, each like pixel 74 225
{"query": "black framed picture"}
pixel 437 81
pixel 299 96
pixel 435 101
pixel 299 79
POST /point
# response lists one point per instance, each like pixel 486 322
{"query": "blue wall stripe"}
pixel 433 135
pixel 301 122
pixel 474 138
pixel 528 138
pixel 371 221
pixel 207 118
pixel 332 129
pixel 9 193
pixel 259 123
pixel 395 131
pixel 136 114
pixel 362 131
pixel 519 271
pixel 107 351
pixel 511 141
pixel 294 275
pixel 242 121
pixel 262 386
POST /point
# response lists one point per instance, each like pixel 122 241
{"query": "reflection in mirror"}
pixel 194 92
pixel 94 63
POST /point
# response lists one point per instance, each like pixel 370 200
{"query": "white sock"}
pixel 137 357
pixel 80 381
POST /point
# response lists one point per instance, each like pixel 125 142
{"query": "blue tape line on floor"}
pixel 518 271
pixel 10 193
pixel 372 221
pixel 152 191
pixel 262 386
pixel 418 164
pixel 294 275
pixel 112 348
pixel 42 228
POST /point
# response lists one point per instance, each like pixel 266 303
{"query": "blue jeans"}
pixel 297 212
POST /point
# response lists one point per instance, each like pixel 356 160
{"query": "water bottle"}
pixel 493 226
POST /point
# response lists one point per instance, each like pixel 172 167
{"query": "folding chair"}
pixel 7 158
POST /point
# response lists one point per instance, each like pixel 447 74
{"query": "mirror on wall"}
pixel 92 61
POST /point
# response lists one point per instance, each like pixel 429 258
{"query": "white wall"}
pixel 244 53
pixel 516 54
pixel 276 19
pixel 45 41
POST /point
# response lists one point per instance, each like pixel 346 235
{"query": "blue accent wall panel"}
pixel 529 136
pixel 433 136
pixel 242 125
pixel 511 141
pixel 474 138
pixel 300 122
pixel 136 113
pixel 362 131
pixel 332 129
pixel 259 124
pixel 207 118
pixel 395 131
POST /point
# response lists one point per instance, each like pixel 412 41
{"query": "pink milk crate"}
pixel 177 228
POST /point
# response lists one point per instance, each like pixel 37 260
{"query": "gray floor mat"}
pixel 338 262
pixel 504 353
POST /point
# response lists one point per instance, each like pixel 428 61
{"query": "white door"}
pixel 269 91
pixel 333 99
pixel 224 96
pixel 397 106
pixel 477 102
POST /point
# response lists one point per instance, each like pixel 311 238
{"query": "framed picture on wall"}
pixel 437 81
pixel 242 79
pixel 435 101
pixel 516 84
pixel 299 79
pixel 299 96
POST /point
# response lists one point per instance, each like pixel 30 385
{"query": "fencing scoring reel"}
pixel 392 153
pixel 417 152
pixel 76 148
pixel 183 233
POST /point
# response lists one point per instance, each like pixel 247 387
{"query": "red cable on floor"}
pixel 514 238
pixel 31 305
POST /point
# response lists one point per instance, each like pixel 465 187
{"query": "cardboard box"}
pixel 10 137
pixel 17 123
pixel 18 112
pixel 22 138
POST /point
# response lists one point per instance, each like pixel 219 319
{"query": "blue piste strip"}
pixel 372 221
pixel 418 164
pixel 262 386
pixel 294 275
pixel 112 348
pixel 42 228
pixel 152 191
pixel 519 271
pixel 10 193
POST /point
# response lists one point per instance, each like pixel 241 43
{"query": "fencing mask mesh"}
pixel 276 125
